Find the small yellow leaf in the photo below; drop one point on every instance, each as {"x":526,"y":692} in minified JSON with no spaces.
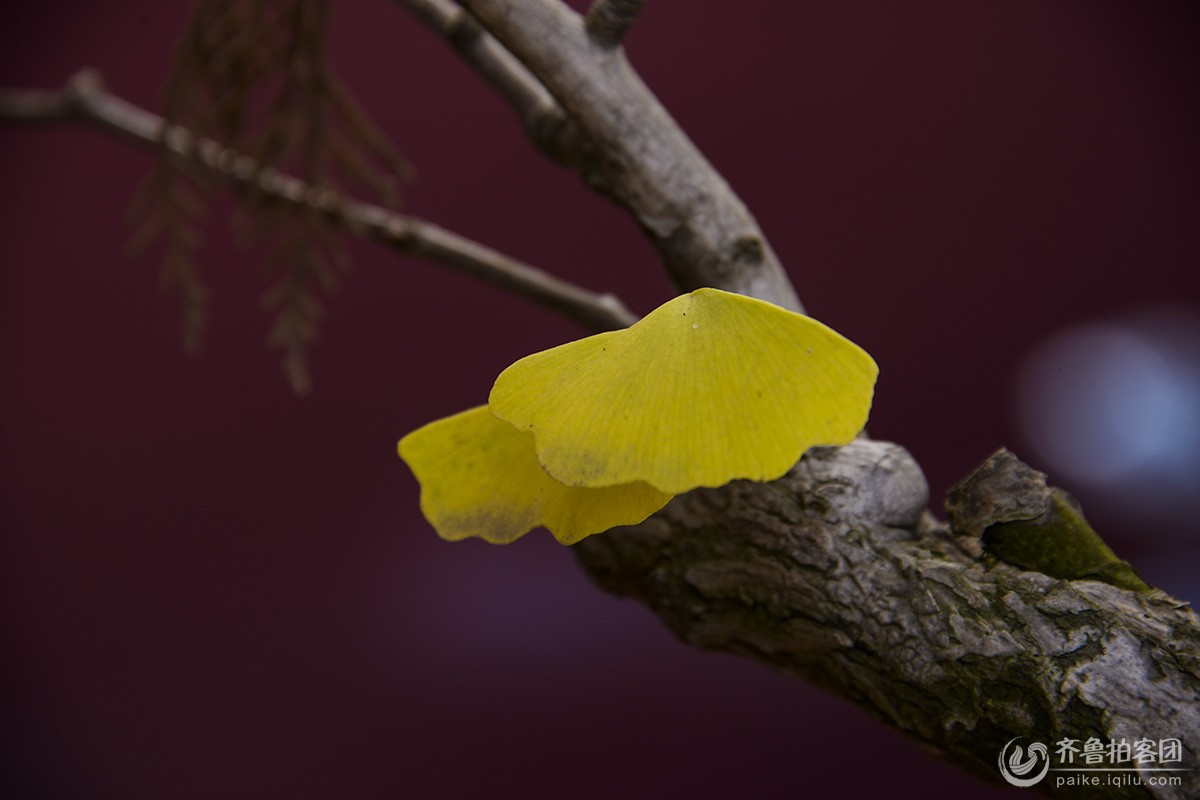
{"x":480,"y":477}
{"x":708,"y":387}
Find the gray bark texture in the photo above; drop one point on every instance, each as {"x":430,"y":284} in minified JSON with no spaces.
{"x":837,"y":574}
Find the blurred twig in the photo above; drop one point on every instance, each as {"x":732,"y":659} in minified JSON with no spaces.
{"x":545,"y":122}
{"x":85,"y":99}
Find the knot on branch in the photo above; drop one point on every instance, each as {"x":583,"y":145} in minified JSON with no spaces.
{"x":1025,"y":523}
{"x":609,"y":20}
{"x":1001,"y":489}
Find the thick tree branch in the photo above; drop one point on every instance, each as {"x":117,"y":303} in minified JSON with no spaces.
{"x":609,"y":20}
{"x":836,"y":574}
{"x":85,"y":99}
{"x":635,"y":153}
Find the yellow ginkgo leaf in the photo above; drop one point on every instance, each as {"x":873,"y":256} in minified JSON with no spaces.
{"x":708,"y":387}
{"x":480,"y":477}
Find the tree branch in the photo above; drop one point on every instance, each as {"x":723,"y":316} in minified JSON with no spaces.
{"x":543,"y":119}
{"x":633,"y":152}
{"x":837,"y":575}
{"x":85,"y":99}
{"x":609,"y":20}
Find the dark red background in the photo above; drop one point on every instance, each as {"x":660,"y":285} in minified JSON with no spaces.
{"x":212,"y":588}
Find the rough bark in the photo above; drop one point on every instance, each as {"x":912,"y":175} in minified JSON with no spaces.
{"x":837,"y":574}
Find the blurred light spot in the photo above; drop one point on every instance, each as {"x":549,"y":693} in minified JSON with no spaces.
{"x":1117,"y":405}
